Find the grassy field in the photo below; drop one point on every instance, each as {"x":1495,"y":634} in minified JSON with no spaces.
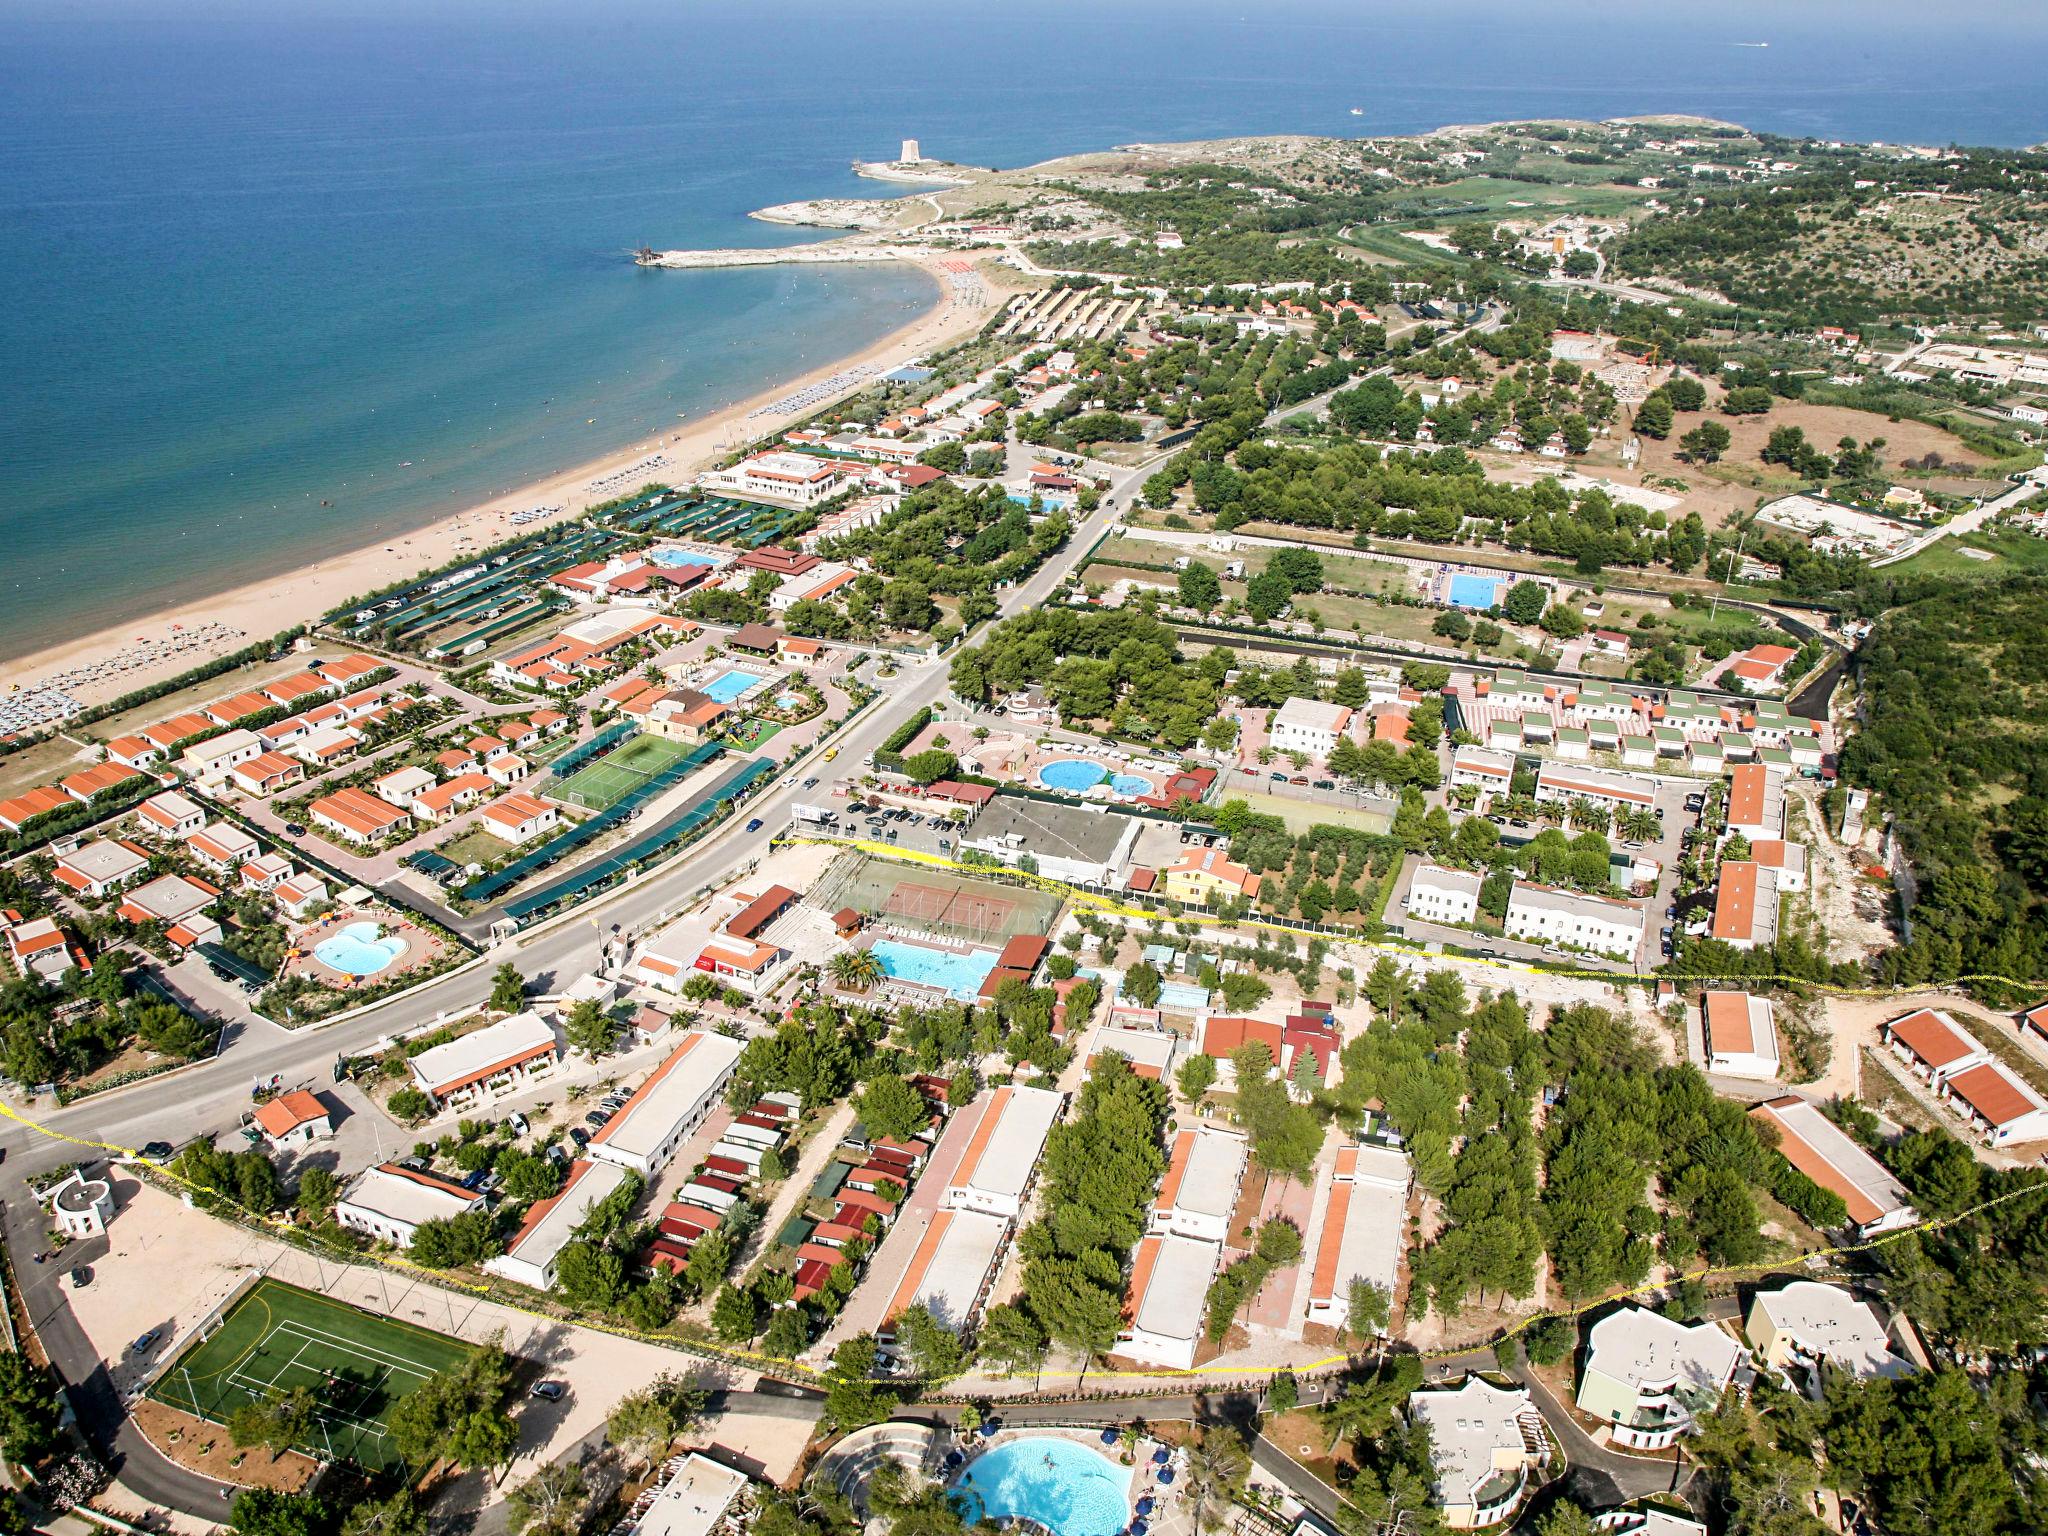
{"x":1300,"y":815}
{"x":475,"y":847}
{"x":357,"y":1366}
{"x":621,"y":771}
{"x":2011,"y":554}
{"x":1356,"y":573}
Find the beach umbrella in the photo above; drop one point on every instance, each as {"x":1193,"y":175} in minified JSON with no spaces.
{"x":1109,"y":1435}
{"x":1145,"y":1505}
{"x":1161,"y":1456}
{"x":1137,"y":1528}
{"x":1166,"y":1474}
{"x":988,"y":1428}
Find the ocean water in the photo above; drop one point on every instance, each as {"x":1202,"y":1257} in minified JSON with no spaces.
{"x":254,"y":258}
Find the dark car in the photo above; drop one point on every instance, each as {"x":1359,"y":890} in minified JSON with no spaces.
{"x":474,"y":1181}
{"x":596,"y":1118}
{"x":754,"y":825}
{"x":579,"y":1135}
{"x":157,"y":1151}
{"x":293,"y":829}
{"x":553,"y":1391}
{"x":81,"y":1277}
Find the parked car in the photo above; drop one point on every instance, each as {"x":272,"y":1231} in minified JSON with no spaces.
{"x":1299,"y":778}
{"x":553,"y":1391}
{"x":518,"y":1124}
{"x":293,"y":829}
{"x":596,"y":1118}
{"x":579,"y":1135}
{"x":142,"y":1345}
{"x":475,"y":1181}
{"x":157,"y":1151}
{"x":81,"y":1277}
{"x":810,"y":783}
{"x":1277,"y":778}
{"x":1325,"y":784}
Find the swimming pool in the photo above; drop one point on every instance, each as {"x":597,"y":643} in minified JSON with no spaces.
{"x":1129,"y":784}
{"x":675,"y":559}
{"x":728,"y":686}
{"x":1071,"y":775}
{"x":959,"y":974}
{"x":1474,"y":591}
{"x":358,"y":950}
{"x":1061,"y":1485}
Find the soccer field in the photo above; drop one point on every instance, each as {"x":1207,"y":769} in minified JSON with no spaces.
{"x":357,"y":1366}
{"x":621,"y":771}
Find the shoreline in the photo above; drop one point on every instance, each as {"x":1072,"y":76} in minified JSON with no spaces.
{"x":261,"y":608}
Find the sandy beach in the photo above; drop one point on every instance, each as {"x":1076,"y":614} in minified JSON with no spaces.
{"x":124,"y":657}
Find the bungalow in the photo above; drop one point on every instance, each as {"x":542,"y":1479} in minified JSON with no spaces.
{"x":293,"y":1120}
{"x":265,"y":872}
{"x":135,"y":752}
{"x":168,"y":900}
{"x":355,"y":814}
{"x":298,"y":896}
{"x":1488,"y":770}
{"x":1170,"y":1276}
{"x":389,"y":1204}
{"x":222,"y":845}
{"x":211,"y":759}
{"x":89,"y":784}
{"x":1998,"y":1104}
{"x":507,"y":770}
{"x":1647,"y":1375}
{"x":99,"y":868}
{"x":443,"y":800}
{"x":1740,"y":1034}
{"x":22,"y":809}
{"x":1608,"y":642}
{"x":171,"y":734}
{"x":1811,"y":1142}
{"x":328,"y":745}
{"x":1745,"y":905}
{"x":287,"y":691}
{"x":1932,"y":1044}
{"x":520,"y":817}
{"x":37,"y":947}
{"x":266,"y":773}
{"x":239,"y":706}
{"x":1364,"y":1216}
{"x":1762,"y":667}
{"x":402,"y":786}
{"x":171,"y":815}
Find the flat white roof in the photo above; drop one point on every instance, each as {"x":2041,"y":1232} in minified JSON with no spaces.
{"x":1210,"y":1175}
{"x":1001,"y":1156}
{"x":1371,"y":1185}
{"x":1827,"y":1320}
{"x":1644,"y":1348}
{"x":1176,"y":1283}
{"x":693,"y":1501}
{"x":1827,"y":1156}
{"x":103,"y":860}
{"x":694,"y":1071}
{"x":505,"y":1041}
{"x":406,"y":1198}
{"x":589,"y":1182}
{"x":1141,"y":1047}
{"x":1312,"y":714}
{"x":950,"y":1266}
{"x":1436,"y":877}
{"x":1469,"y":1429}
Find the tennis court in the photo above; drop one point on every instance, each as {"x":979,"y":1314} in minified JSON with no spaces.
{"x":277,"y":1336}
{"x":600,"y":785}
{"x":936,"y":901}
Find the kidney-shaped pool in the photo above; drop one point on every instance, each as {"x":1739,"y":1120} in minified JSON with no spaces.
{"x":1053,"y":1481}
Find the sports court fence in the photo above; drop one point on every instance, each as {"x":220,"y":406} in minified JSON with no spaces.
{"x":968,"y":907}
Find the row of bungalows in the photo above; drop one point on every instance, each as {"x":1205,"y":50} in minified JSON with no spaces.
{"x":157,"y":743}
{"x":1511,"y":712}
{"x":824,"y":1249}
{"x":959,"y":1255}
{"x":81,"y":788}
{"x":645,"y":1134}
{"x":2002,"y":1107}
{"x":1362,"y":1234}
{"x":584,"y":652}
{"x":1187,"y":1226}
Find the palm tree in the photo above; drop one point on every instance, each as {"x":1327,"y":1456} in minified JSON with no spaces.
{"x":856,"y":970}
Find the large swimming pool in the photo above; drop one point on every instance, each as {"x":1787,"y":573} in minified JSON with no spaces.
{"x":956,"y":973}
{"x":360,"y":949}
{"x":676,"y":559}
{"x":1469,"y":591}
{"x":1072,"y":775}
{"x":1061,"y":1485}
{"x":728,"y":686}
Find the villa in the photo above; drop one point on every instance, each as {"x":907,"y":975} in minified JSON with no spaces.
{"x":1204,"y":875}
{"x":390,"y":1203}
{"x":37,"y":947}
{"x":1484,"y":1440}
{"x":1802,"y":1326}
{"x":1647,"y":1375}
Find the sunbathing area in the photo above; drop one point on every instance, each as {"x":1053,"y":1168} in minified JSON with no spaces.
{"x":360,"y":946}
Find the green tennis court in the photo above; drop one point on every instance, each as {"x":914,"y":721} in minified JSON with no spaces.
{"x":358,"y":1367}
{"x":619,"y":772}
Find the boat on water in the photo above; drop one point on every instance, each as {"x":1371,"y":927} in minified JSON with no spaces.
{"x":1358,"y":111}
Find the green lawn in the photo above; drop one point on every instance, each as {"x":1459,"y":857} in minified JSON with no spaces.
{"x":620,"y":771}
{"x":358,"y":1367}
{"x":2012,"y":554}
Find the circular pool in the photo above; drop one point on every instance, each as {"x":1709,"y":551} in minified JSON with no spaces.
{"x":1055,"y":1482}
{"x":1072,"y":775}
{"x":360,"y":949}
{"x":1129,"y":785}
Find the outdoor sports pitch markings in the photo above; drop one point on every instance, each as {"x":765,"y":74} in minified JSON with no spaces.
{"x":605,"y":782}
{"x":357,"y":1366}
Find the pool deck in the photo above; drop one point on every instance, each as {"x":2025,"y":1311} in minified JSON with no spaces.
{"x":1169,"y":1516}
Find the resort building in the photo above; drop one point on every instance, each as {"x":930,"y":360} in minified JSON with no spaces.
{"x":1756,"y":802}
{"x":390,"y":1203}
{"x":1484,"y":1440}
{"x":1207,"y":876}
{"x":1801,"y":1327}
{"x":1560,"y":785}
{"x":995,"y":1171}
{"x":222,"y":846}
{"x":499,"y":1058}
{"x":1745,"y":905}
{"x":210,"y":760}
{"x":170,"y":815}
{"x":1932,"y":1045}
{"x":1308,"y":726}
{"x":1740,"y":1034}
{"x":1439,"y":895}
{"x":529,"y":1258}
{"x":663,"y":1111}
{"x":1998,"y":1104}
{"x":295,"y":1119}
{"x":691,"y":1500}
{"x":266,"y":773}
{"x":1561,"y":919}
{"x":356,"y":815}
{"x":1170,"y":1278}
{"x":1150,"y":1052}
{"x":1204,"y":1170}
{"x":1647,"y":1520}
{"x":1488,"y":770}
{"x":520,"y":817}
{"x":99,"y":868}
{"x":172,"y":900}
{"x":1364,"y":1230}
{"x":1066,"y":842}
{"x":438,"y":802}
{"x":952,"y":1269}
{"x":37,"y":947}
{"x":1647,"y":1376}
{"x":1820,"y":1149}
{"x":799,"y":479}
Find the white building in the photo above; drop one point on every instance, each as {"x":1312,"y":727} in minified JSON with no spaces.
{"x":1170,"y":1277}
{"x":1488,"y":770}
{"x":1647,"y":1375}
{"x":529,"y":1258}
{"x":1557,"y":784}
{"x":950,"y":1273}
{"x":1740,"y":1034}
{"x":672,"y":1103}
{"x":1483,"y":1440}
{"x":692,"y":1500}
{"x":995,"y":1169}
{"x":1567,"y":920}
{"x":1203,"y":1173}
{"x":390,"y":1203}
{"x":1307,"y":725}
{"x":779,"y":475}
{"x":1820,"y":1149}
{"x":1798,"y":1327}
{"x":1067,"y":842}
{"x":1365,"y":1225}
{"x":210,"y":760}
{"x":500,"y":1058}
{"x":1439,"y":895}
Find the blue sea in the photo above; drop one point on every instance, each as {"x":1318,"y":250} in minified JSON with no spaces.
{"x":255,"y":258}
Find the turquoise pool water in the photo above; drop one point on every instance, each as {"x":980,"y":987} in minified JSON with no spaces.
{"x":1072,"y":774}
{"x":1130,"y":784}
{"x":728,"y":686}
{"x":1182,"y":996}
{"x":959,"y":974}
{"x":1473,"y":591}
{"x":1062,"y":1485}
{"x":675,"y":559}
{"x":358,"y":950}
